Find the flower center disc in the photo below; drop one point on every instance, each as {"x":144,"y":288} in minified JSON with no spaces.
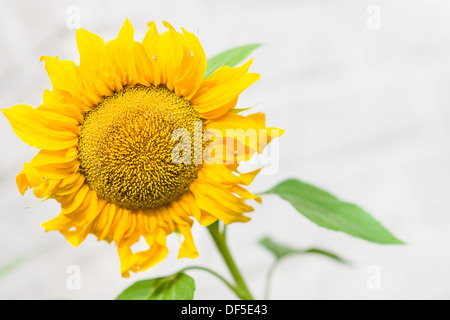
{"x":125,"y":147}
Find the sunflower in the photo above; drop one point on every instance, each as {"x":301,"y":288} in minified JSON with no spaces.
{"x":108,"y":149}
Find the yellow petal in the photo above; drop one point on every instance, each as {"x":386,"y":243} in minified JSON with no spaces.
{"x":57,"y":223}
{"x":206,"y":219}
{"x":219,"y":92}
{"x":121,"y":56}
{"x":35,"y":130}
{"x":193,"y":67}
{"x":107,"y":217}
{"x":169,"y":55}
{"x":47,"y":164}
{"x":62,"y":74}
{"x":188,"y":249}
{"x":45,"y":189}
{"x":121,"y":224}
{"x":33,"y":176}
{"x":94,"y":69}
{"x":64,"y":77}
{"x":147,"y":70}
{"x":76,"y":200}
{"x":69,"y":185}
{"x":55,"y":164}
{"x":22,"y":182}
{"x":61,"y":104}
{"x":54,"y":157}
{"x":245,"y":194}
{"x":150,"y":41}
{"x":244,"y":134}
{"x":214,"y":201}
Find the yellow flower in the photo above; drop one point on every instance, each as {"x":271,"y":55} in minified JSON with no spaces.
{"x":106,"y":134}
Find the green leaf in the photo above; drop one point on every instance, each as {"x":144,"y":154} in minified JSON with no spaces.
{"x":278,"y":250}
{"x":238,"y":110}
{"x":178,"y":286}
{"x":229,"y":58}
{"x":329,"y":212}
{"x":281,"y":251}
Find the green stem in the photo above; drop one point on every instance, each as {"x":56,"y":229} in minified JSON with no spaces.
{"x":219,"y":239}
{"x":269,"y":278}
{"x":225,"y":281}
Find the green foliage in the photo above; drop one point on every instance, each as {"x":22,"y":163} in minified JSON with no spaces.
{"x":281,"y":251}
{"x":329,"y":212}
{"x":229,"y":58}
{"x":178,"y":286}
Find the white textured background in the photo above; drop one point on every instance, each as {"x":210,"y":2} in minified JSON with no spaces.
{"x":366,"y":114}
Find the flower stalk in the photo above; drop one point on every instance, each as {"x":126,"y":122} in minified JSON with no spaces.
{"x":220,"y":240}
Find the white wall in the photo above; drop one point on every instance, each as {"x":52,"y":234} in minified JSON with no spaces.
{"x":366,"y":113}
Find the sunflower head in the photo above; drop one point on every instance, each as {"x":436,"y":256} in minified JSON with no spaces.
{"x":125,"y":147}
{"x":112,"y":133}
